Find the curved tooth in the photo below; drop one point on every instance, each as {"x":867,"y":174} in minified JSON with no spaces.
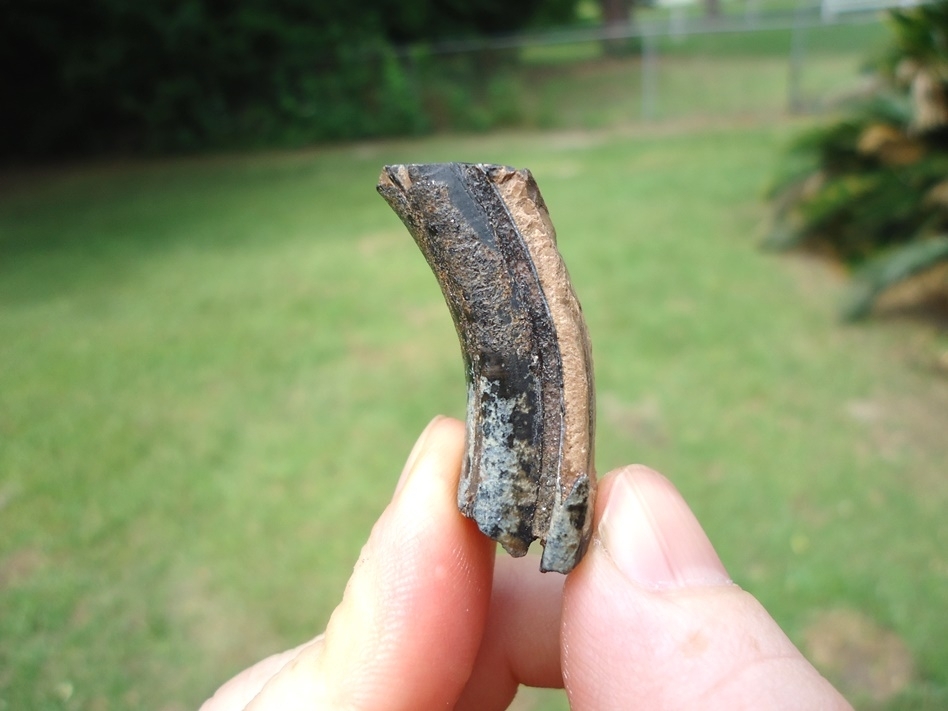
{"x":487,"y":236}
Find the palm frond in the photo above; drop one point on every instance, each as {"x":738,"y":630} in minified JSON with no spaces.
{"x":783,"y":236}
{"x":890,"y":268}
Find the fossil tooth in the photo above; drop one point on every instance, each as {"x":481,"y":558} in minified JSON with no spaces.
{"x":528,"y":469}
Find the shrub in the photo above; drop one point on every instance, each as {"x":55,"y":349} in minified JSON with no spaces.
{"x":169,"y":75}
{"x":871,"y":188}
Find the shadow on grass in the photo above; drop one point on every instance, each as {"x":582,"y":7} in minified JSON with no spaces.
{"x":89,"y":228}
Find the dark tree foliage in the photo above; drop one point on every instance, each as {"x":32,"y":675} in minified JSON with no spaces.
{"x":448,"y":19}
{"x":104,"y":75}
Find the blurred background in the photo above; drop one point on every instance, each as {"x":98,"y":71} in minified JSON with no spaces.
{"x":217,"y":344}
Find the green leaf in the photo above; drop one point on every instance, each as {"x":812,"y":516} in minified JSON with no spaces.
{"x":782,"y":237}
{"x":890,"y":268}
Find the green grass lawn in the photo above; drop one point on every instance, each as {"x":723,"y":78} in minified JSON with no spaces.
{"x":211,"y":371}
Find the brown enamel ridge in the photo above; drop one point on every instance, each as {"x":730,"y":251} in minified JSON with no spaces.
{"x":528,"y":470}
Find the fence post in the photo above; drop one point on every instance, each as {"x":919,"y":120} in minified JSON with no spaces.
{"x":795,"y":102}
{"x":649,"y":77}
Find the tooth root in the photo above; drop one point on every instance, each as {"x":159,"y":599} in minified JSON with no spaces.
{"x":528,"y":469}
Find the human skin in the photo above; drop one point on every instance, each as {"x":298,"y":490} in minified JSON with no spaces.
{"x":430,"y":620}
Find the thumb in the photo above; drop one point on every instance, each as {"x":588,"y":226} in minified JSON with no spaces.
{"x":652,"y":621}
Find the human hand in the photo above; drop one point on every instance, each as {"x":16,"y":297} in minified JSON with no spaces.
{"x":648,"y":620}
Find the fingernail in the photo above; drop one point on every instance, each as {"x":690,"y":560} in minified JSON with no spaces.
{"x":415,"y":453}
{"x":653,"y":537}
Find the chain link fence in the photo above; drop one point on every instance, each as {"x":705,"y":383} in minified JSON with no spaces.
{"x":673,"y":63}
